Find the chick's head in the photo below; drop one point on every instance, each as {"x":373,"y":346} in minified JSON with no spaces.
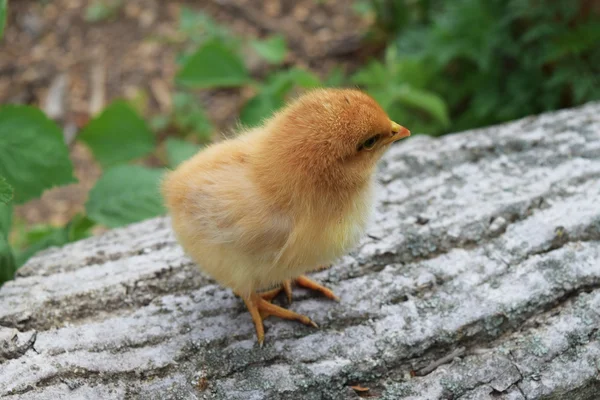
{"x":332,"y":137}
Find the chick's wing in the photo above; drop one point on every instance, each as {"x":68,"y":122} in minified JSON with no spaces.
{"x":215,"y":200}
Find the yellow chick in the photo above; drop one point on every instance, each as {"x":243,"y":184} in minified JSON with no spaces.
{"x":283,"y":199}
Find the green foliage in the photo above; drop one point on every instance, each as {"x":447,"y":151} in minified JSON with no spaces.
{"x":6,"y":212}
{"x":159,"y":122}
{"x":41,"y":237}
{"x":8,"y":266}
{"x":33,"y":158}
{"x":213,"y":65}
{"x":273,"y":49}
{"x":363,"y":7}
{"x":258,"y":107}
{"x":7,"y":260}
{"x":180,"y":150}
{"x":199,"y":28}
{"x":486,"y":62}
{"x":392,"y":16}
{"x":272,"y":94}
{"x":79,"y":228}
{"x":3,"y":9}
{"x":38,"y":238}
{"x":33,"y":155}
{"x":125,"y":194}
{"x":190,"y":117}
{"x":118,"y":135}
{"x":400,"y":87}
{"x":335,"y":78}
{"x":218,"y":63}
{"x":6,"y":191}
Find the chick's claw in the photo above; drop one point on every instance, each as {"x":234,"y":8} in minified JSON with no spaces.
{"x":260,"y":309}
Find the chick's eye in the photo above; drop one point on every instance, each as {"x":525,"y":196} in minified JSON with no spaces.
{"x":369,"y":143}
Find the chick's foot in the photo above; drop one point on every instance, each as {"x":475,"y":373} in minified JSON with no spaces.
{"x":286,"y":286}
{"x":303,"y":281}
{"x":308,"y":283}
{"x":270,"y":294}
{"x":260,"y":309}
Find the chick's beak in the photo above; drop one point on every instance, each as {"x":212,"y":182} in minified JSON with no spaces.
{"x":398,"y":132}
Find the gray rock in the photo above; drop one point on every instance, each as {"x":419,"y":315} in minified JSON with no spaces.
{"x":479,"y":279}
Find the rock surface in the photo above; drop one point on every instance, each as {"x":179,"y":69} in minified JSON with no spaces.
{"x":479,"y":279}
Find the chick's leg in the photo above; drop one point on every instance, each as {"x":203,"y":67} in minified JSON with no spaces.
{"x":260,"y":309}
{"x":287,"y":288}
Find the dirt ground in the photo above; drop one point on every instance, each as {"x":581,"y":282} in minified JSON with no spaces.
{"x":52,"y":57}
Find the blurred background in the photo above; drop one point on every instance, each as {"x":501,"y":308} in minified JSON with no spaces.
{"x":98,"y":97}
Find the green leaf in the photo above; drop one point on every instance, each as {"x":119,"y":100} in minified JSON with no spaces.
{"x":335,"y":78}
{"x":199,"y":28}
{"x":363,"y":7}
{"x":33,"y":154}
{"x":190,"y":21}
{"x":273,"y":49}
{"x":6,"y":191}
{"x":280,"y":83}
{"x":384,"y":97}
{"x":189,"y":116}
{"x":41,"y":237}
{"x":180,"y":150}
{"x":125,"y":194}
{"x":212,"y":66}
{"x":427,"y":101}
{"x":537,"y":32}
{"x":118,"y":135}
{"x":302,"y":78}
{"x":575,"y":41}
{"x":372,"y":75}
{"x":273,"y":93}
{"x":415,"y":72}
{"x":159,"y":122}
{"x":259,"y":107}
{"x":6,"y":213}
{"x":3,"y":9}
{"x":79,"y":228}
{"x":41,"y":232}
{"x":7,"y":261}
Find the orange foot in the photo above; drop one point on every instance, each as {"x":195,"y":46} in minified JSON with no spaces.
{"x":303,"y":281}
{"x":260,"y":307}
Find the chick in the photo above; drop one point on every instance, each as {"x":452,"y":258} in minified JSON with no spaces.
{"x":263,"y":209}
